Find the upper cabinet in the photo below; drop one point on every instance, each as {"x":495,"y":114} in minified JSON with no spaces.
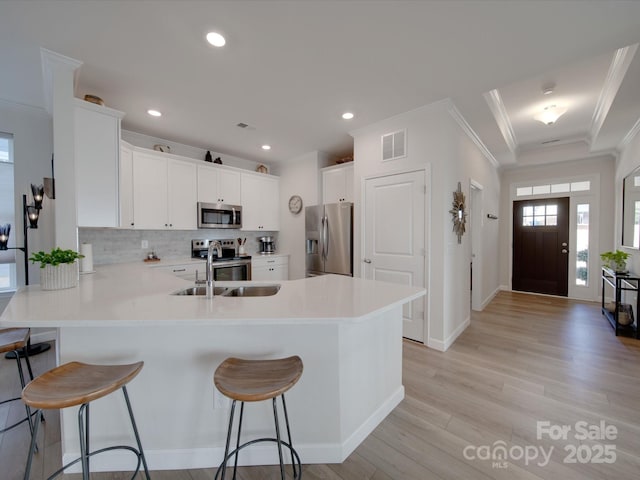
{"x":164,"y":193}
{"x":126,"y":186}
{"x":97,"y":150}
{"x":260,"y":202}
{"x":337,"y":184}
{"x":218,"y":185}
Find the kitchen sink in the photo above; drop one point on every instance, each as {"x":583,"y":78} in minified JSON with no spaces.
{"x":246,"y":291}
{"x":252,"y":291}
{"x":200,"y":290}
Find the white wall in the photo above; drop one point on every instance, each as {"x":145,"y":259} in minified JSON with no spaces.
{"x":628,"y":160}
{"x":600,"y":166}
{"x":33,"y":145}
{"x":298,"y":176}
{"x":437,"y":141}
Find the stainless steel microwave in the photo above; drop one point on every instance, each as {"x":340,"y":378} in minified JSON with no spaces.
{"x":219,"y":215}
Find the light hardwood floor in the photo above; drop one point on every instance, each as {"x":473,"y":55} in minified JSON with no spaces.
{"x":525,"y":359}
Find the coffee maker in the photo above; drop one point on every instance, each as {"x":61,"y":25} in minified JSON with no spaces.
{"x":267,"y":245}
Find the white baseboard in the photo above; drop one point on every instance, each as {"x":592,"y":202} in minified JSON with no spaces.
{"x":443,"y":346}
{"x":487,"y":301}
{"x":259,"y":454}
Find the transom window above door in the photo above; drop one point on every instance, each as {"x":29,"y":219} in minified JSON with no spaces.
{"x":539,"y":215}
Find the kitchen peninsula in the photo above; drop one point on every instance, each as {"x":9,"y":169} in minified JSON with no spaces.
{"x":348,"y":332}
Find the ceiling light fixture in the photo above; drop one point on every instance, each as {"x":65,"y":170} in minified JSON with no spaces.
{"x":215,"y":39}
{"x":266,"y":147}
{"x":550,"y":114}
{"x":347,"y":115}
{"x":154,"y":113}
{"x":547,"y":89}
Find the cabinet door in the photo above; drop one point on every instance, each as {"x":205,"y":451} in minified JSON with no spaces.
{"x":280,"y":272}
{"x":260,"y":198}
{"x":348,"y":184}
{"x":332,"y":185}
{"x":97,"y":137}
{"x":182,"y":195}
{"x":229,"y":187}
{"x":126,"y":187}
{"x":260,"y":273}
{"x":208,"y":184}
{"x":149,"y":191}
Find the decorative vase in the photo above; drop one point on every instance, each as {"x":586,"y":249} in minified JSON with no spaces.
{"x":58,"y":277}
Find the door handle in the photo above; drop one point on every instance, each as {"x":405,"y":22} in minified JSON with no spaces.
{"x":325,"y":236}
{"x":564,"y":250}
{"x":366,"y":260}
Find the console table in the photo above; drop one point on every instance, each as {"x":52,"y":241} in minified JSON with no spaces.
{"x":621,"y":282}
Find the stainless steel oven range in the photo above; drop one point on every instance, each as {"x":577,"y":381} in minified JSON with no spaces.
{"x":229,"y":266}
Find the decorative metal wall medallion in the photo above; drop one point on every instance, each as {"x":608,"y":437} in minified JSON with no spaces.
{"x":458,"y":213}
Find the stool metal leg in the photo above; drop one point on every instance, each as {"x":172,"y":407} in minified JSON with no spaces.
{"x":235,"y":464}
{"x":135,"y":432}
{"x":275,"y":418}
{"x":226,"y":448}
{"x":32,"y":448}
{"x":286,"y":420}
{"x":83,"y":435}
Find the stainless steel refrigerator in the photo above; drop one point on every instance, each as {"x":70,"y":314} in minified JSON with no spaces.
{"x":329,"y":239}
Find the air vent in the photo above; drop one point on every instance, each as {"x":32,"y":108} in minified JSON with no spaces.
{"x":550,"y":141}
{"x":242,"y":125}
{"x":394,"y":145}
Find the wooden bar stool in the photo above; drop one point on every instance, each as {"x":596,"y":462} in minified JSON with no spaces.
{"x":253,"y":381}
{"x":78,"y":383}
{"x":15,"y":340}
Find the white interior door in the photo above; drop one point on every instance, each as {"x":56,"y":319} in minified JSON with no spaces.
{"x":394,"y":239}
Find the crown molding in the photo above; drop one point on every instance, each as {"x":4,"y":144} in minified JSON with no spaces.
{"x":51,"y":61}
{"x":635,"y":130}
{"x":457,"y":116}
{"x":494,"y":100}
{"x":617,"y":71}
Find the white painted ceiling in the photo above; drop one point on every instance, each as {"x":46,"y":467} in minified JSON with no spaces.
{"x":290,"y":68}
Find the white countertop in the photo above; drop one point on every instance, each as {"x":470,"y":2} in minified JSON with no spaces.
{"x":135,"y":295}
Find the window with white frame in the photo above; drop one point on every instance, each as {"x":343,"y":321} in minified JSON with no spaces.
{"x":7,"y":212}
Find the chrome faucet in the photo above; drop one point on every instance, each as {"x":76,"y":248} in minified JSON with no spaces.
{"x":210,"y":284}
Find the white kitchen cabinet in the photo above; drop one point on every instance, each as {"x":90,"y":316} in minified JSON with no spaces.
{"x":97,"y":150}
{"x":260,"y":195}
{"x":218,"y":185}
{"x":337,"y":184}
{"x":270,"y":267}
{"x":126,"y":186}
{"x":189,"y":271}
{"x":164,"y":193}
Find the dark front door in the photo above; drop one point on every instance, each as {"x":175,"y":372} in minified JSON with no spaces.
{"x":540,"y":246}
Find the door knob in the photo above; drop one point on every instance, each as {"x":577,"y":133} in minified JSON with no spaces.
{"x":564,"y":250}
{"x":366,"y":260}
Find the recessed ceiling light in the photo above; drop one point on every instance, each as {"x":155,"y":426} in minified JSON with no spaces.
{"x":347,"y":115}
{"x":266,"y":147}
{"x":154,"y":113}
{"x":215,"y":39}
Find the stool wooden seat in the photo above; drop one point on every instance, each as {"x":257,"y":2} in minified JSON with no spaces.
{"x":252,"y":381}
{"x":77,"y":383}
{"x":256,"y":380}
{"x":15,"y":340}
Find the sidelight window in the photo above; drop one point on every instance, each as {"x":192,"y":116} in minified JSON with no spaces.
{"x":7,"y":214}
{"x":582,"y":244}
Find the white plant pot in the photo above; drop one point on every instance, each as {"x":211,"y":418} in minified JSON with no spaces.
{"x":59,"y":277}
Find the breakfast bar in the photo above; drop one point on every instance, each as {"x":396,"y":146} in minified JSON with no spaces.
{"x":348,"y":332}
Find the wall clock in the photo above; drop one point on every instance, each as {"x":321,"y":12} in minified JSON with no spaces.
{"x":458,"y":214}
{"x":295,"y":204}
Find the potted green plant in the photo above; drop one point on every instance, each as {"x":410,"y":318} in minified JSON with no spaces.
{"x":59,"y":268}
{"x":615,"y":260}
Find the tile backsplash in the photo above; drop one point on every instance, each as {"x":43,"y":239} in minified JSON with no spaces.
{"x":112,"y":245}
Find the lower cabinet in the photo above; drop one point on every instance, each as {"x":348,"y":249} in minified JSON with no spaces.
{"x":270,"y":267}
{"x":191,"y":271}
